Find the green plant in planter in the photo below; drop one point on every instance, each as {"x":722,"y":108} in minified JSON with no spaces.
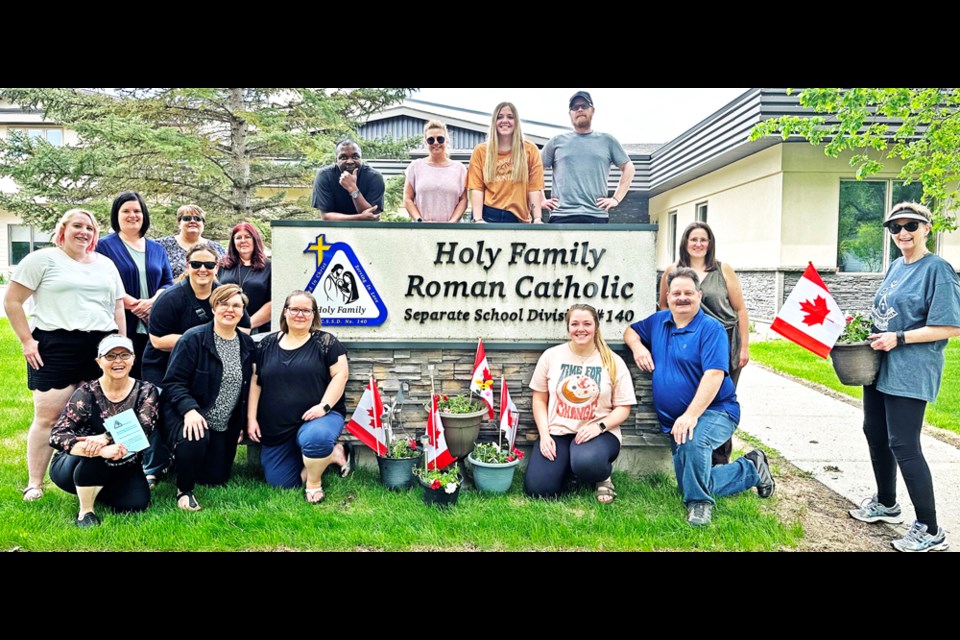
{"x":491,"y":453}
{"x":402,"y":449}
{"x":857,"y":329}
{"x":460,"y":404}
{"x":447,"y":479}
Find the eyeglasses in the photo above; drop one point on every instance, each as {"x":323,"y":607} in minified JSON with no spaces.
{"x":191,"y":219}
{"x":580,"y":106}
{"x":438,"y":140}
{"x":112,"y":357}
{"x":196,"y":264}
{"x":911,"y":226}
{"x":299,"y":312}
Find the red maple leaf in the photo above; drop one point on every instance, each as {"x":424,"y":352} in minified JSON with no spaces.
{"x":816,"y":311}
{"x":486,"y":375}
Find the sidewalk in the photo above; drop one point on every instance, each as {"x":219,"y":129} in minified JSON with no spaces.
{"x":824,"y":436}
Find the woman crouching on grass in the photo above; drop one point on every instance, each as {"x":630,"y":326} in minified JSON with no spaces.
{"x":205,"y":395}
{"x":88,"y":463}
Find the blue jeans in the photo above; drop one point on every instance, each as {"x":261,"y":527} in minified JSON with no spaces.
{"x":491,"y":214}
{"x":316,"y":439}
{"x":697,"y":479}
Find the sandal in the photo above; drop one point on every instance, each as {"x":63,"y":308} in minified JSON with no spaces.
{"x":351,"y":455}
{"x":310,"y":495}
{"x":152,"y":482}
{"x":32,"y":493}
{"x":605,"y":492}
{"x":191,"y":504}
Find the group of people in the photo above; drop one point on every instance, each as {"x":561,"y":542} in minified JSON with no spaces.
{"x":504,"y":178}
{"x":120,"y":319}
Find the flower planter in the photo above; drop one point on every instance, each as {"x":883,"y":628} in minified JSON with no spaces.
{"x":439,"y":497}
{"x":493,"y":478}
{"x":397,"y":474}
{"x":856,"y":364}
{"x":461,"y":431}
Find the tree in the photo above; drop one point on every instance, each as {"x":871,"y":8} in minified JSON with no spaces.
{"x":236,"y":152}
{"x":921,"y":127}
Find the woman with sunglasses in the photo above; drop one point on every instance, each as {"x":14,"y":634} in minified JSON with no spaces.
{"x":205,"y":395}
{"x":722,"y":300}
{"x":506,"y":174}
{"x":297,"y":406}
{"x":88,"y":463}
{"x":915,"y":311}
{"x":435,"y":189}
{"x":191,"y":219}
{"x":247,"y":265}
{"x":142,"y":263}
{"x":180,"y":308}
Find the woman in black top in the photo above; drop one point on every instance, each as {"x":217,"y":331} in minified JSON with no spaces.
{"x":182,"y":307}
{"x":296,"y":407}
{"x":205,"y":393}
{"x":247,"y":265}
{"x":87,"y":462}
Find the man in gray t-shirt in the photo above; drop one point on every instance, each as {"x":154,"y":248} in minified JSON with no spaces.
{"x":581,"y":163}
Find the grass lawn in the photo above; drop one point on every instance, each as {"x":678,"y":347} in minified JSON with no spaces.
{"x":785,"y":356}
{"x":359,"y":514}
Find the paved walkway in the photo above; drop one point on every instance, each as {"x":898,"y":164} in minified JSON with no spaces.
{"x":824,"y":436}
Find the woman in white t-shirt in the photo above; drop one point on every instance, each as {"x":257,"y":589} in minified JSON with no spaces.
{"x":582,"y":393}
{"x":436,"y":186}
{"x":78,"y":299}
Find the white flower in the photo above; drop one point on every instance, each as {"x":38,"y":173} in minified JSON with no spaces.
{"x":451,"y":487}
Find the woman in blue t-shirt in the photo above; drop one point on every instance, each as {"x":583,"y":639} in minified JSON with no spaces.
{"x":297,"y":408}
{"x":915,"y":311}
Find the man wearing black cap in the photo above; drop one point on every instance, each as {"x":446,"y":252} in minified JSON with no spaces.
{"x":581,"y":163}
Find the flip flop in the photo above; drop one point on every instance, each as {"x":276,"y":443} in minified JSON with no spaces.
{"x":351,"y":456}
{"x":192,"y":504}
{"x":310,"y":495}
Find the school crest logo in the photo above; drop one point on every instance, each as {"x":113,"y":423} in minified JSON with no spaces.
{"x":345,"y":294}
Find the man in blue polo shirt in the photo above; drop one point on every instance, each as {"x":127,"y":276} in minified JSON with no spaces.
{"x":689,"y":355}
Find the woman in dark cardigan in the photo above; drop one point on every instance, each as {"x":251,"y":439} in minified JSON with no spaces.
{"x":142,"y":263}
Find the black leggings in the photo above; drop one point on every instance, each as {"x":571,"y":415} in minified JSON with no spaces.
{"x":892,"y":425}
{"x":207,"y":461}
{"x":125,"y":489}
{"x":591,"y":461}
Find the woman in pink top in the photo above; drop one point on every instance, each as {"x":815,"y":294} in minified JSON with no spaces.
{"x":435,"y":190}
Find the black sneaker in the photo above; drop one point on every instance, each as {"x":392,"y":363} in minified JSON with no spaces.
{"x":767,"y":485}
{"x":699,"y":514}
{"x":89,"y":520}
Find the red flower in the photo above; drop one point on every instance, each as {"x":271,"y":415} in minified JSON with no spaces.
{"x":435,"y":484}
{"x":446,"y":398}
{"x":510,"y":458}
{"x":518,"y":453}
{"x":413,"y":445}
{"x":849,"y":319}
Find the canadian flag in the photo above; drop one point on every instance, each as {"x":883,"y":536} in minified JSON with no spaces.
{"x":482,"y":381}
{"x":438,"y":456}
{"x":810,"y":316}
{"x":508,"y":414}
{"x":366,"y":423}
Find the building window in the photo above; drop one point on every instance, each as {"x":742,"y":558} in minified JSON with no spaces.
{"x":25,"y":239}
{"x":53,"y":135}
{"x":863,"y":245}
{"x":672,"y":235}
{"x":702,"y":212}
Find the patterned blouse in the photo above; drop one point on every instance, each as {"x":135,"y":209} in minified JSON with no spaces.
{"x":178,"y":256}
{"x":88,"y":407}
{"x":218,"y":417}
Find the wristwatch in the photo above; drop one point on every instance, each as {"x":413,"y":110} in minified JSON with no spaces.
{"x":602,"y":426}
{"x":326,"y":409}
{"x":355,"y":194}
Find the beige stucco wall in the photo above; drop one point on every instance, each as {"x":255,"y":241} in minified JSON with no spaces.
{"x":743,"y":209}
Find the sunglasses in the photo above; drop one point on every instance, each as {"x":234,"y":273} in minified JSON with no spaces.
{"x":191,"y":219}
{"x":196,"y":264}
{"x":438,"y":140}
{"x":911,"y":226}
{"x":112,"y":357}
{"x":581,"y":106}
